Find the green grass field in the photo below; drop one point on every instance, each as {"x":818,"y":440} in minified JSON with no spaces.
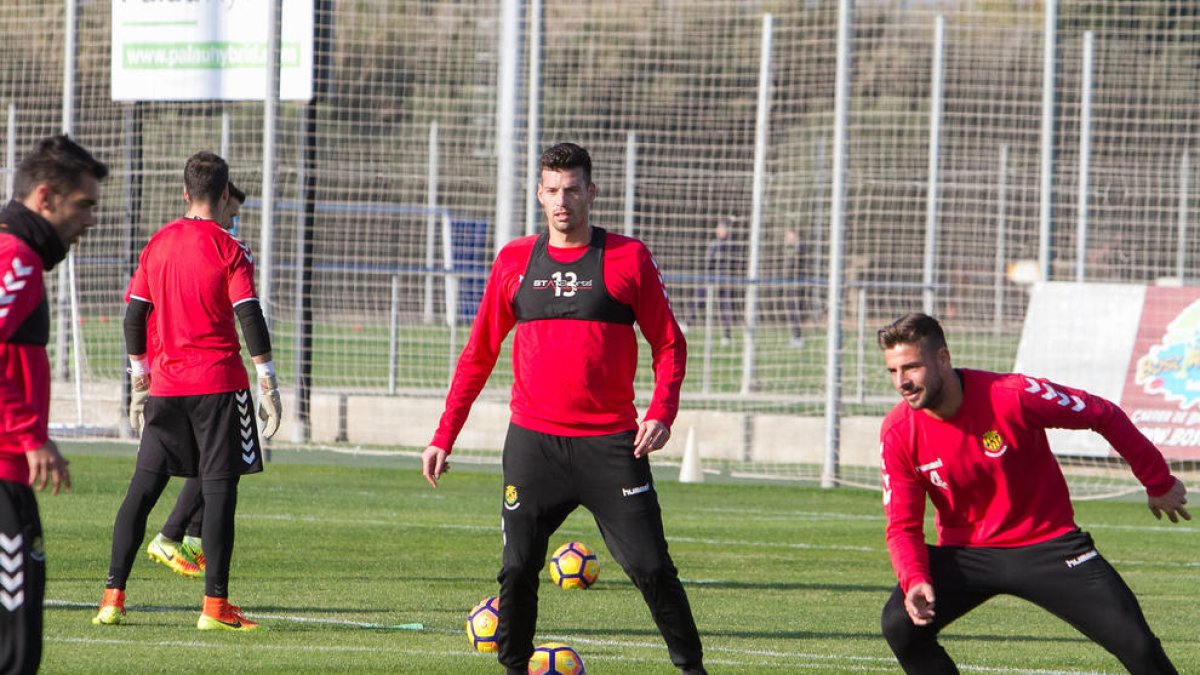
{"x":332,"y":547}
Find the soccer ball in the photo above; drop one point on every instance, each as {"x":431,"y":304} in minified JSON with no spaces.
{"x":481,"y":625}
{"x":574,"y":566}
{"x":555,"y":658}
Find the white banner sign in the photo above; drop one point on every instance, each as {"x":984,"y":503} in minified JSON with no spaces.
{"x":207,"y":50}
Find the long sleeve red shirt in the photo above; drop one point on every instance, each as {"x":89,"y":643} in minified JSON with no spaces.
{"x":989,"y":470}
{"x":24,"y":367}
{"x":572,"y":377}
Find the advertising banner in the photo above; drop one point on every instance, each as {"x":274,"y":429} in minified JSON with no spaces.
{"x":207,"y":50}
{"x":1162,"y":384}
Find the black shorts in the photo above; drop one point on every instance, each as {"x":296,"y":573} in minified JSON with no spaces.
{"x":210,"y":436}
{"x":22,"y":579}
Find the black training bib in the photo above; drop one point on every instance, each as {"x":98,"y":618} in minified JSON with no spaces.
{"x":574,"y":290}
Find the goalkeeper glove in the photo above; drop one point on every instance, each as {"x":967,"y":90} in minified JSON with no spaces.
{"x":269,"y":409}
{"x":139,"y":391}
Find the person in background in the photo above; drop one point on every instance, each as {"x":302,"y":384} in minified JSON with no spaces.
{"x":179,"y":545}
{"x":55,"y":191}
{"x":197,"y":278}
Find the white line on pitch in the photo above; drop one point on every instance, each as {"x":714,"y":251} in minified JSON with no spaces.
{"x":808,"y":661}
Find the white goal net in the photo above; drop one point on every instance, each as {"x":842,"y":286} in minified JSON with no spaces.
{"x":712,"y":129}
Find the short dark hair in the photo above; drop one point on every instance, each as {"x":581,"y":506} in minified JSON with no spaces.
{"x":205,"y":177}
{"x":911,"y":329}
{"x":59,"y":162}
{"x":235,"y":193}
{"x":565,"y":156}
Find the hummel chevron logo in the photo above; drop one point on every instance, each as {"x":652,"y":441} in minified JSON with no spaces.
{"x":1075,"y":403}
{"x":249,"y":457}
{"x":21,"y":270}
{"x":12,"y":602}
{"x":11,"y":545}
{"x":247,"y":431}
{"x":12,"y":582}
{"x":14,"y":280}
{"x":11,"y":282}
{"x":10,"y":563}
{"x":242,"y":396}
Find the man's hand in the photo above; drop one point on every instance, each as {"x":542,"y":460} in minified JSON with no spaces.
{"x":46,"y":465}
{"x":434,"y":464}
{"x":651,"y":436}
{"x":269,"y":409}
{"x":139,"y":391}
{"x":1171,"y":503}
{"x":919,"y":603}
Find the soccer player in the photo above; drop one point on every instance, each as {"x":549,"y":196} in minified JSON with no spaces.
{"x":179,"y":545}
{"x":574,"y":293}
{"x":196,"y":277}
{"x":55,"y":189}
{"x":975,"y":442}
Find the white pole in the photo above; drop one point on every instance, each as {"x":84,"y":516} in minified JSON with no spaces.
{"x":837,"y":223}
{"x":69,"y":41}
{"x":68,"y":285}
{"x":394,"y":333}
{"x":630,"y":180}
{"x":533,"y":131}
{"x":1046,"y":205}
{"x":225,"y":134}
{"x":10,"y":151}
{"x":937,"y":83}
{"x":1181,"y":253}
{"x":506,"y":118}
{"x":861,"y":390}
{"x":451,"y":293}
{"x":431,"y":203}
{"x":270,"y":129}
{"x":1085,"y":157}
{"x":758,"y":195}
{"x":1001,"y":253}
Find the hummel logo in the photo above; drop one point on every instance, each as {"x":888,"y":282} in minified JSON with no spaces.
{"x":21,"y":270}
{"x":1074,"y":402}
{"x":12,"y":602}
{"x":1079,"y":560}
{"x":629,"y":492}
{"x":11,"y":545}
{"x":13,"y":282}
{"x":13,"y":582}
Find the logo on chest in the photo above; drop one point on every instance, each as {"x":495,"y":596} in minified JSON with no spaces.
{"x":993,"y":444}
{"x":564,"y":284}
{"x":931,"y":470}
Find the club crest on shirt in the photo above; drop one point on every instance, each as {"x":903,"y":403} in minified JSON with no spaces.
{"x":993,"y":444}
{"x":511,"y":498}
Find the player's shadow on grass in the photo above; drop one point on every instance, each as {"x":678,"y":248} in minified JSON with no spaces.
{"x":775,"y":586}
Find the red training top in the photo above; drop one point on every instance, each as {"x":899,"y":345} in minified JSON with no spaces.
{"x":989,"y":470}
{"x":194,"y":273}
{"x":572,"y":377}
{"x":24,"y":366}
